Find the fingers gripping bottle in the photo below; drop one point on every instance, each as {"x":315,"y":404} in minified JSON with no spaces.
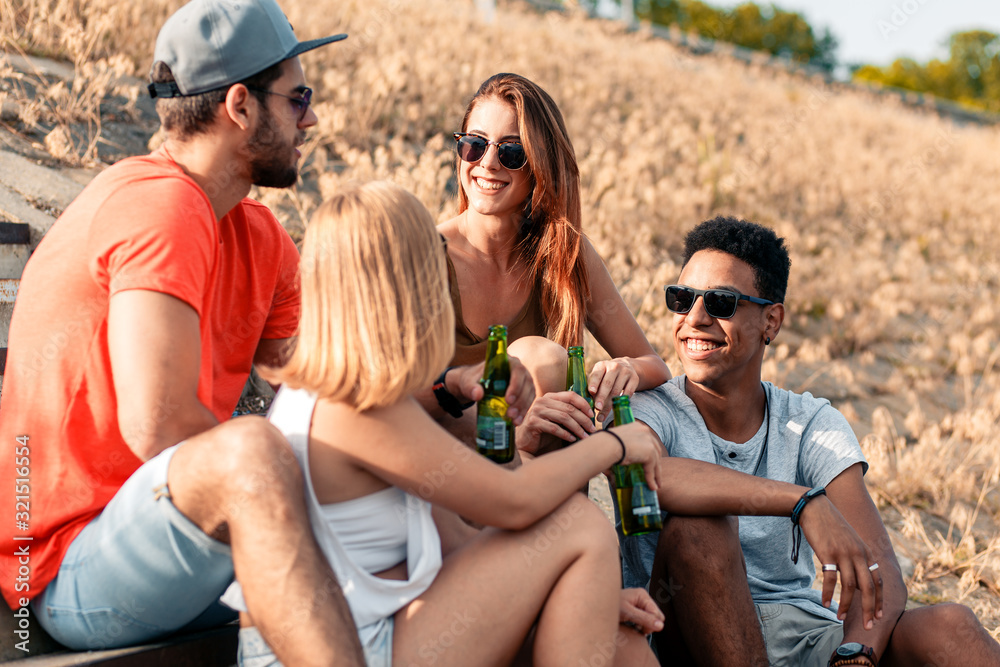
{"x":494,"y":430}
{"x":638,"y":506}
{"x":576,"y":375}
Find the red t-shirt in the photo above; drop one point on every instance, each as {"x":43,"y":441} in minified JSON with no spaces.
{"x":141,"y":224}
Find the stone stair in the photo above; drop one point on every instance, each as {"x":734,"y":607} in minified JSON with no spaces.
{"x":31,"y":197}
{"x":15,"y":246}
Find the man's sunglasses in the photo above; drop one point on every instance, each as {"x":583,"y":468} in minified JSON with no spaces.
{"x":472,"y":148}
{"x":719,"y":303}
{"x":300,"y":103}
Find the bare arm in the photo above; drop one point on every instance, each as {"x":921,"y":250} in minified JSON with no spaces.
{"x":272,"y":352}
{"x":634,"y":366}
{"x":849,"y":493}
{"x":155,"y":345}
{"x":462,"y":382}
{"x":697,"y":488}
{"x":406,"y":448}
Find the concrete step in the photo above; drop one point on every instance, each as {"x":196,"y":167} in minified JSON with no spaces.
{"x":15,"y":240}
{"x":8,"y":292}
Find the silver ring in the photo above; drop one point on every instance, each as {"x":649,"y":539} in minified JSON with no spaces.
{"x":873,"y":567}
{"x":829,"y":567}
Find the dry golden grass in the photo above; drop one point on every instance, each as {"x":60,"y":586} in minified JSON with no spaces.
{"x":890,"y":215}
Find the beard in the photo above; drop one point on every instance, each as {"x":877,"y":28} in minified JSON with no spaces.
{"x":272,"y":159}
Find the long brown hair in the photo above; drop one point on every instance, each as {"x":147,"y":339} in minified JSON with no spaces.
{"x":550,"y":237}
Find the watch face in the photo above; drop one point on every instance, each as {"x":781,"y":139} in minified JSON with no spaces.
{"x":849,"y":649}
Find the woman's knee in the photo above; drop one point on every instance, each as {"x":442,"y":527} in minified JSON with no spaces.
{"x":544,"y":359}
{"x":584,"y":521}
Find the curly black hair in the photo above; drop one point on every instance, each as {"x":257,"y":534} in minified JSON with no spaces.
{"x":754,"y":244}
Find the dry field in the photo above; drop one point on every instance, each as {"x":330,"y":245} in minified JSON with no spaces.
{"x":890,"y":214}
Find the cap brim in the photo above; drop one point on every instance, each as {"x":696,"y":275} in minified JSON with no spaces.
{"x":314,"y":43}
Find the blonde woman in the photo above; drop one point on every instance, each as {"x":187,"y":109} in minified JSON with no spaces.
{"x":376,"y":326}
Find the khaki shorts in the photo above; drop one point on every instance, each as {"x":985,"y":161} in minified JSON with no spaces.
{"x":796,"y":638}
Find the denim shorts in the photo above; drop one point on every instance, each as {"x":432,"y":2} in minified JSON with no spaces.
{"x":254,"y":651}
{"x":139,"y":570}
{"x":796,"y":638}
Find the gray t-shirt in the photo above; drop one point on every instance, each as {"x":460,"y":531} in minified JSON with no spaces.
{"x":808,"y":443}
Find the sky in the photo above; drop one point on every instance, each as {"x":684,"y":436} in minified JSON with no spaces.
{"x":879,"y":31}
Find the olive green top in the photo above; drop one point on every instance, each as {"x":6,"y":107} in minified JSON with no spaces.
{"x":470,"y":348}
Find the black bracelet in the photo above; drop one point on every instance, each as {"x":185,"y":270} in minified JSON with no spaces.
{"x":446,"y":399}
{"x":797,"y":515}
{"x":620,"y":442}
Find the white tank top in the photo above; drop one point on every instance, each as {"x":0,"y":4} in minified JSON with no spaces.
{"x":363,"y":535}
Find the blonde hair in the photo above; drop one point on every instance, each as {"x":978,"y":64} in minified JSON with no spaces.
{"x":377,"y":322}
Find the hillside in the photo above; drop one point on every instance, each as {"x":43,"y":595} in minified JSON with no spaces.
{"x":890,"y":214}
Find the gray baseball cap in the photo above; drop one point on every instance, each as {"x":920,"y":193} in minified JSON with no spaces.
{"x":209,"y":44}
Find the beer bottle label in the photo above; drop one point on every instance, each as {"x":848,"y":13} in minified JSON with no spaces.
{"x":491,"y":433}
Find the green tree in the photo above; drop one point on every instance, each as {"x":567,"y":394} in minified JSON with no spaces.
{"x":971,"y":75}
{"x":763,"y":28}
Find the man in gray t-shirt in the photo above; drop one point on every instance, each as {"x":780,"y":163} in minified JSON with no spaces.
{"x":807,"y":443}
{"x":738,"y":592}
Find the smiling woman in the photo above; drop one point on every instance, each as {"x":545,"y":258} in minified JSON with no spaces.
{"x":517,"y":256}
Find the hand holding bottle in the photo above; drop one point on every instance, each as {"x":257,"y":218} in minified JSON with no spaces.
{"x":611,"y":378}
{"x":561,"y":414}
{"x":642,"y":447}
{"x":464,"y":383}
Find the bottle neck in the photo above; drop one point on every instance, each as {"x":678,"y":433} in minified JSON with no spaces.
{"x":495,"y":347}
{"x":576,"y":376}
{"x":623,"y":414}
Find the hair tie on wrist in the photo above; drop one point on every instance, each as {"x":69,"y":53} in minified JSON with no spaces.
{"x":620,"y":442}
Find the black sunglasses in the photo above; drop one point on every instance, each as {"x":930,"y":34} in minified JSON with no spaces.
{"x":300,"y":103}
{"x":472,"y":148}
{"x":719,"y":303}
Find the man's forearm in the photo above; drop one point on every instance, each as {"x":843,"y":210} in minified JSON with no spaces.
{"x":893,"y":605}
{"x":696,"y":488}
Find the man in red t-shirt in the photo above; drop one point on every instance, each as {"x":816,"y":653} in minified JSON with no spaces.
{"x":139,"y":317}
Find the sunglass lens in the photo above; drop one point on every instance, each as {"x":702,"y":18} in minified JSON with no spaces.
{"x":679,"y":300}
{"x":720,"y":304}
{"x":512,"y":156}
{"x":471,"y":148}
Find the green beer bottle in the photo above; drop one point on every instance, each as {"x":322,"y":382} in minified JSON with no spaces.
{"x":576,"y":375}
{"x":638,"y":506}
{"x":494,"y":430}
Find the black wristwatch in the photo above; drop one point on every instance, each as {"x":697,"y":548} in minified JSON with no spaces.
{"x":849,"y":654}
{"x":446,"y":399}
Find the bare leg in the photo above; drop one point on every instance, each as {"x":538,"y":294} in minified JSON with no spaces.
{"x":545,"y":359}
{"x":240,"y":483}
{"x":699,"y":581}
{"x":943,"y":635}
{"x":633,"y":649}
{"x":488,"y":594}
